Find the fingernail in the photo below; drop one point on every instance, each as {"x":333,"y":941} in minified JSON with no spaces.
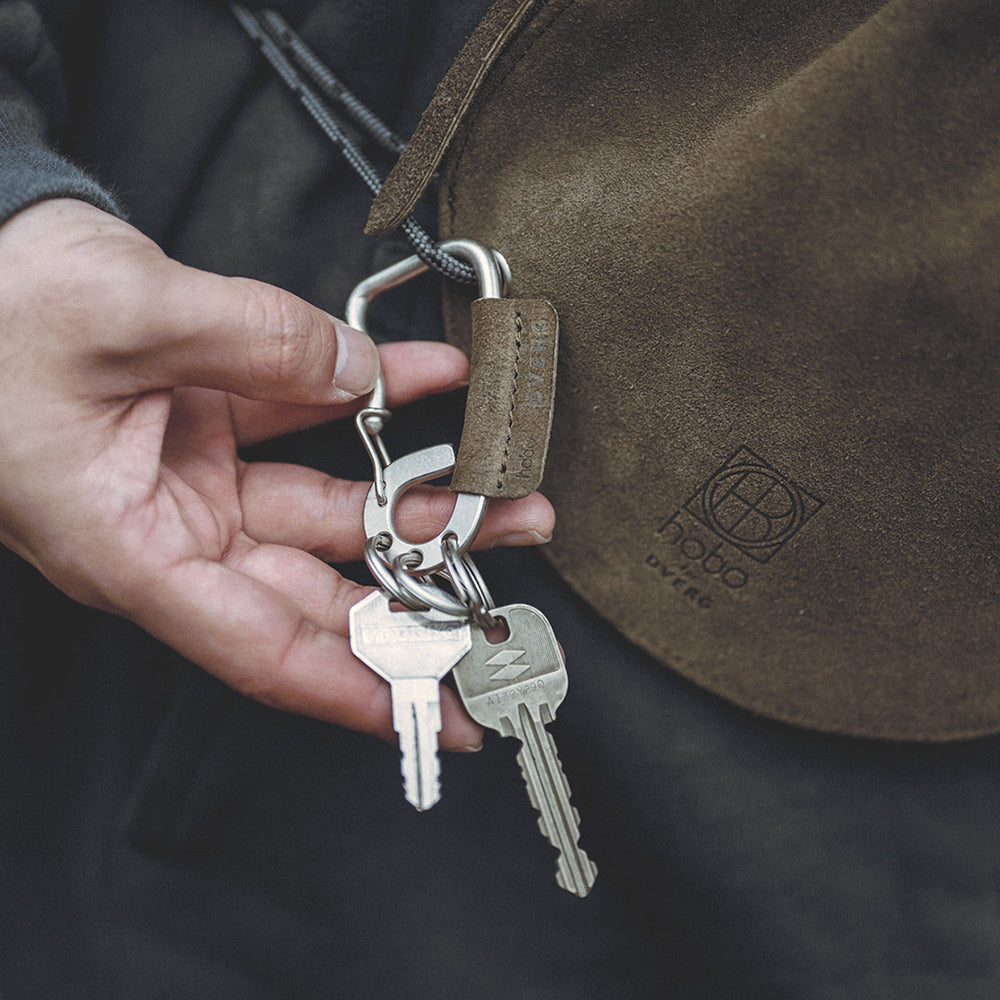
{"x":469,"y":748}
{"x":357,"y":362}
{"x":524,"y":538}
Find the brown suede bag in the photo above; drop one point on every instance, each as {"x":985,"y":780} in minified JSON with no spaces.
{"x":771,"y":231}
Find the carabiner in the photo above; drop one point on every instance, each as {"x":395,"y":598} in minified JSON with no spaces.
{"x":491,"y":269}
{"x":392,"y":478}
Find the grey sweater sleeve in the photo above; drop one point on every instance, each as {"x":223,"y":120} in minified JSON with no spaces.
{"x":31,"y":106}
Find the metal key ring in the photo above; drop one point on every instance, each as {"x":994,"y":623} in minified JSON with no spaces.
{"x":386,"y":579}
{"x":415,"y":588}
{"x":468,"y":583}
{"x":399,"y":584}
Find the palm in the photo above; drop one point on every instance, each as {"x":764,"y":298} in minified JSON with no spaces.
{"x":195,"y":504}
{"x":204,"y":545}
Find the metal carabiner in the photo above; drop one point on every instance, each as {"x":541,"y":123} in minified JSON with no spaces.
{"x":392,"y":478}
{"x":490,"y":266}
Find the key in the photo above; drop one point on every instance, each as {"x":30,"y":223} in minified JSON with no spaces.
{"x":412,"y":650}
{"x":514,"y":687}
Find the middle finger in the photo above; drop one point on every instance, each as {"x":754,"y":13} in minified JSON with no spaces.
{"x":306,"y":509}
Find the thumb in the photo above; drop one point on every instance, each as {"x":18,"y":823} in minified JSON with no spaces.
{"x":253,"y":339}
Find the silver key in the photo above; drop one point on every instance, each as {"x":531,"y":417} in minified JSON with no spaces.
{"x":412,"y":650}
{"x":515,"y":687}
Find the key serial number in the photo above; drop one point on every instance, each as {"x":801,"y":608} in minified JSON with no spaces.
{"x":400,"y":635}
{"x":516,"y":693}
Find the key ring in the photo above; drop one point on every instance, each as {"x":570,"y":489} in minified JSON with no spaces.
{"x":473,"y":600}
{"x":416,"y":593}
{"x":417,"y":588}
{"x":468,"y":583}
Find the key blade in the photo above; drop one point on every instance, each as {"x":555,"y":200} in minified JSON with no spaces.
{"x":514,"y":687}
{"x":548,"y":790}
{"x":416,"y":717}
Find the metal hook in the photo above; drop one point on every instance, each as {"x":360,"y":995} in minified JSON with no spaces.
{"x":392,"y":479}
{"x":491,"y":269}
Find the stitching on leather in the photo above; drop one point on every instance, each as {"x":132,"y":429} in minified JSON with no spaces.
{"x":518,"y":331}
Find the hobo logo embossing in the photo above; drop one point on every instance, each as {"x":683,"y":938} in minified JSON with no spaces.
{"x":752,"y":506}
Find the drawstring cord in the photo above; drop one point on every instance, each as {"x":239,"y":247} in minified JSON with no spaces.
{"x":301,"y":70}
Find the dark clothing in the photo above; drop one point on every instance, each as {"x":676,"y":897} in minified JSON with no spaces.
{"x":32,"y":108}
{"x":163,"y":837}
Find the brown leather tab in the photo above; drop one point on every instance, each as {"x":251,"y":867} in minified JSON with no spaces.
{"x":448,"y":108}
{"x":508,"y":415}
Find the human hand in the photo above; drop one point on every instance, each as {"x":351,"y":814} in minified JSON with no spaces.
{"x":129,"y":381}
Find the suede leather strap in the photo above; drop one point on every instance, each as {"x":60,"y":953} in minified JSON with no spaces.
{"x":452,"y":101}
{"x":508,"y":416}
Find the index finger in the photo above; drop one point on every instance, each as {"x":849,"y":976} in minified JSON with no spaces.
{"x":412,"y":370}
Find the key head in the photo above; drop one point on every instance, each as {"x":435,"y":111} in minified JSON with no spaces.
{"x":402,"y":645}
{"x":525,"y":668}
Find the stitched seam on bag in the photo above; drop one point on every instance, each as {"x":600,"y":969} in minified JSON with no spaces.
{"x":519,"y":330}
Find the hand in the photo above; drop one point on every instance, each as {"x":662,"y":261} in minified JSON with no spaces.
{"x":128,"y":382}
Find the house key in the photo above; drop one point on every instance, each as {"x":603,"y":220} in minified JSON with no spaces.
{"x":412,"y":650}
{"x":514,"y":687}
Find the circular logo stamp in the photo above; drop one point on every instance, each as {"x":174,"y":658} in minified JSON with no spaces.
{"x":751,"y":505}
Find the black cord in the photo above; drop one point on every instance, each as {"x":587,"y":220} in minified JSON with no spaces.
{"x":274,"y":37}
{"x":333,"y":88}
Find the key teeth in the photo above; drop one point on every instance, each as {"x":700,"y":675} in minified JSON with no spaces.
{"x":522,"y":761}
{"x":411,"y":788}
{"x":533,"y":799}
{"x":412,"y":796}
{"x":571,"y":885}
{"x":588,"y":873}
{"x":558,"y":821}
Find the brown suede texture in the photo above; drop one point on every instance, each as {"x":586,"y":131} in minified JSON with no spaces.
{"x":772,"y":234}
{"x":445,"y":114}
{"x":508,"y":415}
